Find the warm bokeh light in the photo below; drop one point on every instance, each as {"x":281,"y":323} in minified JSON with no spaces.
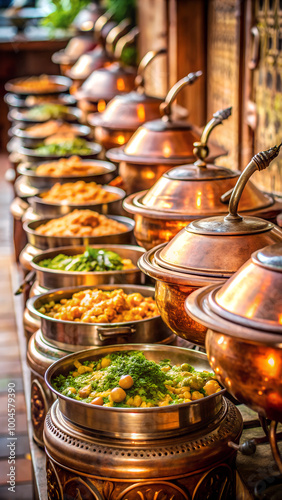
{"x":101,"y":106}
{"x":271,"y":361}
{"x":120,"y":84}
{"x":220,"y":340}
{"x":199,"y":199}
{"x":167,"y":151}
{"x":141,"y":112}
{"x":120,"y":139}
{"x":86,"y":26}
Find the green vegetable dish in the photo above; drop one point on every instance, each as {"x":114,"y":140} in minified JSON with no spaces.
{"x":130,"y":380}
{"x":47,"y":111}
{"x":93,"y":259}
{"x":68,"y":147}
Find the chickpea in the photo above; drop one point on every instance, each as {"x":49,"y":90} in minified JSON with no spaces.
{"x":118,"y":395}
{"x":97,"y":401}
{"x":196,"y":395}
{"x":126,"y":381}
{"x":72,"y":389}
{"x":85,"y":391}
{"x":211,"y":387}
{"x":165,"y":368}
{"x":185,"y":367}
{"x":105,"y":362}
{"x":83,"y":369}
{"x":187,"y":395}
{"x":137,"y":400}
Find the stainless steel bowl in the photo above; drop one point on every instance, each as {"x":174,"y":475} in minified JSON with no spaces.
{"x":105,"y":173}
{"x":63,"y":84}
{"x":73,"y":333}
{"x":20,"y":117}
{"x":47,"y":209}
{"x":15,"y":101}
{"x":139,"y":423}
{"x":32,"y":154}
{"x":50,"y":278}
{"x":27,"y":140}
{"x":45,"y":242}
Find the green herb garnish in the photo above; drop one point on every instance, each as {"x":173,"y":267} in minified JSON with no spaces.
{"x":93,"y":259}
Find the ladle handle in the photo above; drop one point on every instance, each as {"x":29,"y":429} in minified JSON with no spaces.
{"x":259,"y":162}
{"x":144,"y":63}
{"x":116,"y":33}
{"x":165,"y":107}
{"x":201,"y":149}
{"x":127,"y":39}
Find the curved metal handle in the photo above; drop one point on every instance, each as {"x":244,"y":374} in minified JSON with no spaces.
{"x":116,"y":33}
{"x":165,"y":107}
{"x":101,"y":22}
{"x":18,"y":208}
{"x":29,"y":280}
{"x":259,"y":162}
{"x":201,"y":149}
{"x":127,"y":39}
{"x":106,"y":333}
{"x":144,"y":63}
{"x":253,"y":63}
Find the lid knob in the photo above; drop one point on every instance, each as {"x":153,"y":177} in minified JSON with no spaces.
{"x":270,"y":257}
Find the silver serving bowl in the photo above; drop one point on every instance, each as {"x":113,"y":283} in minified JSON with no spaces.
{"x":32,"y":154}
{"x":105,"y":173}
{"x":48,"y":209}
{"x":139,"y":423}
{"x":51,"y":278}
{"x":20,"y":118}
{"x":74,"y":333}
{"x":63,"y":84}
{"x":45,"y":242}
{"x":28,"y":141}
{"x":15,"y":101}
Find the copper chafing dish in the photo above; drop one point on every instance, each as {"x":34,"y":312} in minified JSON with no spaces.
{"x":124,"y":113}
{"x":207,"y":251}
{"x":107,"y":82}
{"x":28,"y":140}
{"x":158,"y":145}
{"x":75,"y":48}
{"x":44,"y":242}
{"x":29,"y":180}
{"x":74,"y":333}
{"x":62,"y":84}
{"x":191,"y":192}
{"x":244,"y":336}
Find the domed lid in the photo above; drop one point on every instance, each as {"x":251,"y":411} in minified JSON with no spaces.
{"x":106,"y":83}
{"x":218,"y":246}
{"x":74,"y":49}
{"x":127,"y":112}
{"x":196,"y":190}
{"x":89,"y":62}
{"x":253,"y":296}
{"x":163,"y":140}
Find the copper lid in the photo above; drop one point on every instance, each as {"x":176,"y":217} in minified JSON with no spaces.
{"x":164,"y":140}
{"x":253,"y":296}
{"x":89,"y":62}
{"x":218,"y":246}
{"x":74,"y":49}
{"x":127,"y":112}
{"x":106,"y":83}
{"x":196,"y":190}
